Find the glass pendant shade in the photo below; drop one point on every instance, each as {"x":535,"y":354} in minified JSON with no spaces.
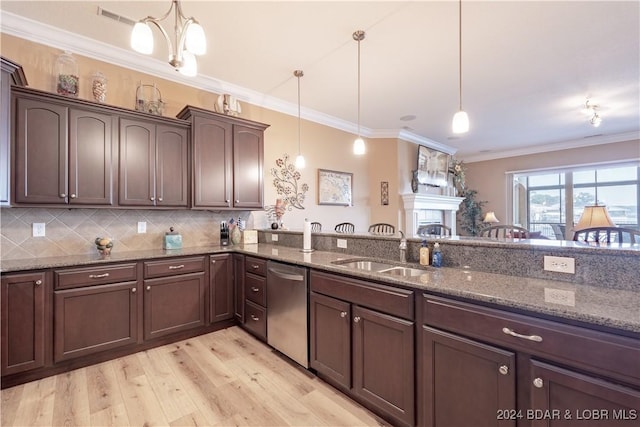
{"x":358,"y":146}
{"x":300,"y":162}
{"x":195,"y":41}
{"x":189,"y":66}
{"x":460,"y":122}
{"x":142,"y":38}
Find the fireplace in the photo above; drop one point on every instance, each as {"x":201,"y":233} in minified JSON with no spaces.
{"x":421,"y":209}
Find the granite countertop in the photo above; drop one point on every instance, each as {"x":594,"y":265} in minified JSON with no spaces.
{"x":617,"y":309}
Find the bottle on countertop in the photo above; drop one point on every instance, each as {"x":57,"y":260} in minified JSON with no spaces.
{"x":437,"y":255}
{"x":424,"y":253}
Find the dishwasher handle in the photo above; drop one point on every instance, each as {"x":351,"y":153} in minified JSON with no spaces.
{"x":288,"y":276}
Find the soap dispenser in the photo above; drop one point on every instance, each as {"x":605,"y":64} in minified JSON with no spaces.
{"x":437,"y":255}
{"x":424,"y":253}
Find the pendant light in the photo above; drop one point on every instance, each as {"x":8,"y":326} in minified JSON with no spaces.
{"x":358,"y":144}
{"x":300,"y":163}
{"x":460,"y":119}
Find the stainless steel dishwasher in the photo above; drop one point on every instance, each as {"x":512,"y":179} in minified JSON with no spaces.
{"x":287,"y":311}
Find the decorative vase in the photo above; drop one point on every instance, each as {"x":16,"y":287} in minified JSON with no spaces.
{"x":236,"y":235}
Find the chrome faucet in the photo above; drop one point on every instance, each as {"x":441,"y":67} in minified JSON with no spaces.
{"x":403,"y":247}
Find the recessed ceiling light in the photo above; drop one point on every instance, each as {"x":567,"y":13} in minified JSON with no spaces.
{"x":408,"y":118}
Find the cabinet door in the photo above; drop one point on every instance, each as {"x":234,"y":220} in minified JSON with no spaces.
{"x":23,"y":322}
{"x":94,"y":318}
{"x":137,"y":163}
{"x":383,"y":362}
{"x":173,"y":304}
{"x":330,"y":339}
{"x":212,"y":155}
{"x":221,"y":287}
{"x":91,"y":158}
{"x":248,"y":146}
{"x":560,"y":397}
{"x":238,"y":278}
{"x":171,"y":166}
{"x":41,"y":152}
{"x":466,"y":381}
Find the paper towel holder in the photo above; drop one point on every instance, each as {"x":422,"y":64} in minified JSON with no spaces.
{"x":306,"y":233}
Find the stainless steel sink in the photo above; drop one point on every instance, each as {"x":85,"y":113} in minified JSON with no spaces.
{"x":380,"y":267}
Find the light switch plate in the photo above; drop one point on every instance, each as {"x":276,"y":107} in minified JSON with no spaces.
{"x":560,"y":264}
{"x":341,"y":243}
{"x":142,"y":227}
{"x":39,"y":229}
{"x":274,"y":237}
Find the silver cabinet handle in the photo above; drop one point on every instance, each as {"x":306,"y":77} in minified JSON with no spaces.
{"x":356,"y":319}
{"x":148,"y":288}
{"x":133,"y":290}
{"x":255,"y":266}
{"x":98,"y":276}
{"x":538,"y":383}
{"x":159,"y":199}
{"x":226,"y":200}
{"x":38,"y":282}
{"x":176,"y":267}
{"x":254,"y":317}
{"x":213,"y":261}
{"x":73,"y":196}
{"x":343,"y":314}
{"x":536,"y":338}
{"x":237,"y":201}
{"x":254,"y":289}
{"x":504,"y":369}
{"x":62,"y":195}
{"x":152,"y":198}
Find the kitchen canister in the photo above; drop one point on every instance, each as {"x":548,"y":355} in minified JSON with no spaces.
{"x":99,"y":87}
{"x":66,"y":75}
{"x":172,"y":240}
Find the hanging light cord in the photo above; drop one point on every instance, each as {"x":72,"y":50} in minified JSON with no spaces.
{"x":298,"y":75}
{"x":359,"y":87}
{"x":460,"y":53}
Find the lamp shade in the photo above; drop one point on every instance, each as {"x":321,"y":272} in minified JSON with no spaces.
{"x":460,"y":122}
{"x":300,"y":163}
{"x":142,"y":38}
{"x":490,"y":217}
{"x":189,"y":66}
{"x":196,"y":42}
{"x":358,"y":146}
{"x":594,"y":216}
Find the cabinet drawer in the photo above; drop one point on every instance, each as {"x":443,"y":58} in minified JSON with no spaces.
{"x":254,"y":289}
{"x":255,"y":319}
{"x":256,"y":266}
{"x":173,"y":267}
{"x":387,"y":299}
{"x":96,"y":275}
{"x":608,"y":354}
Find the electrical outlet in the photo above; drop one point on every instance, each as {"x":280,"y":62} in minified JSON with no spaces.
{"x":142,"y":227}
{"x":39,"y":229}
{"x":274,"y":237}
{"x":560,"y":264}
{"x":341,"y":243}
{"x":558,"y":296}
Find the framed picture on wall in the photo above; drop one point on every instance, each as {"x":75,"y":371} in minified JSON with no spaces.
{"x":433,"y":167}
{"x":335,"y":188}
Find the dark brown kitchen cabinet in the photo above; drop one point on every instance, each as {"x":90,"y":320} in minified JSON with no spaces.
{"x":228,"y":160}
{"x":153,"y":164}
{"x":362,"y":341}
{"x":24,"y":322}
{"x":65,"y":153}
{"x":511,"y":369}
{"x":255,"y":296}
{"x":95,"y":309}
{"x":12,"y":74}
{"x":221,"y":303}
{"x":466,"y":380}
{"x":174,"y":296}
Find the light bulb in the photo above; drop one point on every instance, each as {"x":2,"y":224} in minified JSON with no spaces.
{"x":460,"y":122}
{"x":300,"y":163}
{"x":196,"y":42}
{"x":596,"y":120}
{"x":142,"y":38}
{"x":358,"y":146}
{"x":189,"y":66}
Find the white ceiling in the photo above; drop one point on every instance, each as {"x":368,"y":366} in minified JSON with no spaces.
{"x":528,"y":67}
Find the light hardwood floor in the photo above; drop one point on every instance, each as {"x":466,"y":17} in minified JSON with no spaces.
{"x":225,"y":378}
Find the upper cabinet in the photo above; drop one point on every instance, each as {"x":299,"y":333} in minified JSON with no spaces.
{"x":153,"y":164}
{"x":228,"y":160}
{"x":64,"y":153}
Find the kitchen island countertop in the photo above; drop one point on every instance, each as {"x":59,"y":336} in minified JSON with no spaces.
{"x":608,"y":308}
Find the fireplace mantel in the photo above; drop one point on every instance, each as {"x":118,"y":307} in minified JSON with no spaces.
{"x":414,"y":202}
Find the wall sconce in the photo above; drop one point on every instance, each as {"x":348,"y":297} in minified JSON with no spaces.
{"x":592,"y":111}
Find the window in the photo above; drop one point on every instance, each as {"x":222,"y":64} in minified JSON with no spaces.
{"x":540,"y":199}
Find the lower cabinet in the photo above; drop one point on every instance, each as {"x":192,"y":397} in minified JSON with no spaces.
{"x":221,"y":288}
{"x":255,"y":296}
{"x":368,"y":353}
{"x":175,"y":300}
{"x":24,"y":322}
{"x":238,"y":283}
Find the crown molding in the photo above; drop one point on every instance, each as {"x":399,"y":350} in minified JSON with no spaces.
{"x":556,"y":146}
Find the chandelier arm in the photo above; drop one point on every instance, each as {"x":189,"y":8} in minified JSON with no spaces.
{"x":165,"y":35}
{"x":183,"y":34}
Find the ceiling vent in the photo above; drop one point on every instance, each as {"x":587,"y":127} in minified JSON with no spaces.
{"x":116,"y":17}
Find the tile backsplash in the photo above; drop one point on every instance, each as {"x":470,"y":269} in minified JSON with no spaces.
{"x":73,"y":231}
